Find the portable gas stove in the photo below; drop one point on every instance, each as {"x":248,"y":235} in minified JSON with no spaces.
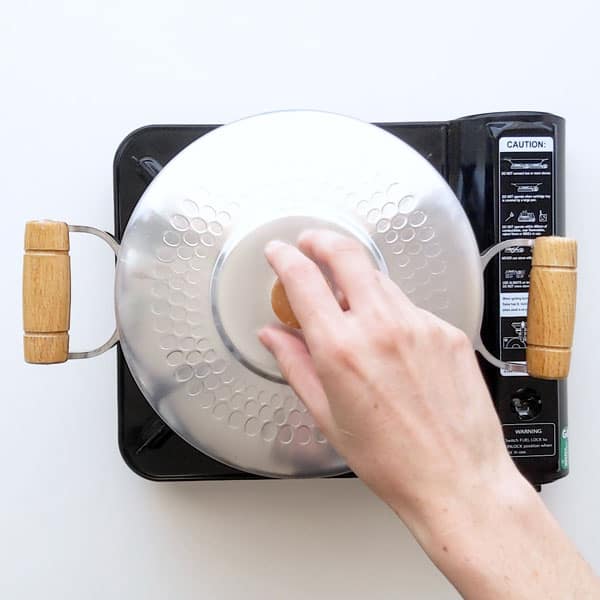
{"x":507,"y":169}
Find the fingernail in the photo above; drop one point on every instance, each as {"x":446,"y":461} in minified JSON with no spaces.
{"x":305,"y":234}
{"x":273,"y":246}
{"x":263,"y":336}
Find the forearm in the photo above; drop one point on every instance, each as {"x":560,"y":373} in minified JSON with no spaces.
{"x":385,"y":383}
{"x":500,"y":541}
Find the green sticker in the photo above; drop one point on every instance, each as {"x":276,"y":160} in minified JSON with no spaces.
{"x":564,"y":449}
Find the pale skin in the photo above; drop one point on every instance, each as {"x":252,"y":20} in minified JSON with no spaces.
{"x":399,"y":394}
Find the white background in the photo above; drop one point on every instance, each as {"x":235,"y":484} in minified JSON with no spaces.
{"x":75,"y":78}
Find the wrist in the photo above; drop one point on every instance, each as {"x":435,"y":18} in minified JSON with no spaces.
{"x":464,"y":527}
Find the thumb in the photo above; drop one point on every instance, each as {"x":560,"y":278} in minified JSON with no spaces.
{"x":297,"y":367}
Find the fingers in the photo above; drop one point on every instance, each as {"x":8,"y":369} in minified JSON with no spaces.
{"x":346,"y":259}
{"x":298,"y":369}
{"x":394,"y":293}
{"x":309,"y":295}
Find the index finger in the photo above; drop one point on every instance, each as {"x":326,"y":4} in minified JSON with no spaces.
{"x":309,"y":294}
{"x":353,"y":271}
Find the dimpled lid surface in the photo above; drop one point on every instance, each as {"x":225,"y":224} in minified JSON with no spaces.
{"x":193,"y":286}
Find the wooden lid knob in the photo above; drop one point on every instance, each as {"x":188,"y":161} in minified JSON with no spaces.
{"x":281,"y":306}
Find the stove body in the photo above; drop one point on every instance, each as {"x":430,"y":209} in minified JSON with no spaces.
{"x":507,"y":169}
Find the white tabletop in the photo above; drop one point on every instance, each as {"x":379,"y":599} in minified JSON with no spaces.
{"x":78,"y":75}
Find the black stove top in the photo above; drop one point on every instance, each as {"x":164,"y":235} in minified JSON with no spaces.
{"x":475,"y":161}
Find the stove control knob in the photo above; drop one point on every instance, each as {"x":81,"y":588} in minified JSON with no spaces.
{"x":526,"y":403}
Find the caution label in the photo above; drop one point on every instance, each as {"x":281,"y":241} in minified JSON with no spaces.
{"x":537,"y":439}
{"x":526,"y":210}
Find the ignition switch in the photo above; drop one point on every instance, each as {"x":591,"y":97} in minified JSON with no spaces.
{"x":526,"y":402}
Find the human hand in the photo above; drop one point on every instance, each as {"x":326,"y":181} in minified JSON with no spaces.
{"x":399,"y":394}
{"x":396,"y":390}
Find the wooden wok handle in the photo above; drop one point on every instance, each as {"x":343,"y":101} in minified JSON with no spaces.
{"x":551,"y":311}
{"x":46,"y":292}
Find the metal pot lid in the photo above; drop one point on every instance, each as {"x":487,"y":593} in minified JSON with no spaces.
{"x":193,"y":286}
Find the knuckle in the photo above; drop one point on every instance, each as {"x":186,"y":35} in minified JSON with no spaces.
{"x":297,"y":270}
{"x":437,"y":330}
{"x":345,"y":244}
{"x":398,"y":330}
{"x":378,"y":314}
{"x":458,"y":340}
{"x":410,"y":336}
{"x":291,"y":372}
{"x":336,"y":244}
{"x":345,"y":354}
{"x":410,"y":329}
{"x":445,"y":335}
{"x":337,"y":348}
{"x":388,"y":335}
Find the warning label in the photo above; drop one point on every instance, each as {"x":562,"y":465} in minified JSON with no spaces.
{"x":530,"y":440}
{"x":513,"y":305}
{"x":526,"y":210}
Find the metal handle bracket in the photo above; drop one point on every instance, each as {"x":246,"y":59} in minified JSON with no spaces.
{"x":486,"y":257}
{"x":114,"y":245}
